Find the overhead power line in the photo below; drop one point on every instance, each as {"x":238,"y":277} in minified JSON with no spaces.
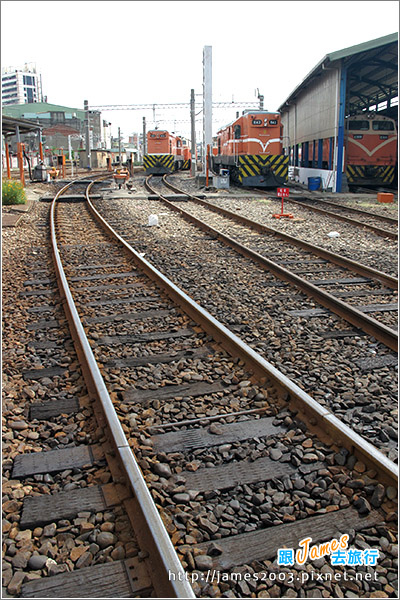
{"x":251,"y":104}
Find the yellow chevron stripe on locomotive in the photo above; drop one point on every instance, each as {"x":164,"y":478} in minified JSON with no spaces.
{"x":388,"y":175}
{"x":350,"y":174}
{"x":186,"y":165}
{"x":355,"y":173}
{"x":267,"y":169}
{"x":158,"y":164}
{"x":362,"y":174}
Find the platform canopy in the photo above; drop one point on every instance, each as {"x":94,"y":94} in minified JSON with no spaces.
{"x":10,"y":126}
{"x":372,"y":74}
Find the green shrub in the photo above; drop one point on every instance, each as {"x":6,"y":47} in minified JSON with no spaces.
{"x":12,"y":192}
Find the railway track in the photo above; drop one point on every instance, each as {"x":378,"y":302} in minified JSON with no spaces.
{"x":259,"y":308}
{"x":357,"y":211}
{"x":369,"y":220}
{"x":329,"y":271}
{"x":77,"y":532}
{"x":352,"y":241}
{"x":240,"y":462}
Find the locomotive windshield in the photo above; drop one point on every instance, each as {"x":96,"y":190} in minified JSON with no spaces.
{"x":358,"y":125}
{"x":382,"y":126}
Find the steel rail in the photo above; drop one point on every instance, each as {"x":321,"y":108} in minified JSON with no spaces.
{"x":342,"y":261}
{"x":359,"y":211}
{"x":168,"y":576}
{"x":382,"y":232}
{"x":352,"y":315}
{"x":318,"y":418}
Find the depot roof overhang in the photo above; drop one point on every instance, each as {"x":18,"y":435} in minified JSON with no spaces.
{"x":372,"y":73}
{"x":9,"y":126}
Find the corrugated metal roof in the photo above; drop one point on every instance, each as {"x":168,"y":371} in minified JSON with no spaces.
{"x":18,"y":110}
{"x":372,"y":72}
{"x":364,"y":47}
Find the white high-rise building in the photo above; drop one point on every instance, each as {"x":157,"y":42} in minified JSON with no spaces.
{"x":21,"y":85}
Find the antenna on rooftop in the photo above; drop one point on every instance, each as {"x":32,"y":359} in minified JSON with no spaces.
{"x":261,"y":99}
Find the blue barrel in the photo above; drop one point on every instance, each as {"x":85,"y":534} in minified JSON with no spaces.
{"x":314,"y":183}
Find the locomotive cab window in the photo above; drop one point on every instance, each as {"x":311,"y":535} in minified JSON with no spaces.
{"x":238,"y":132}
{"x":382,"y":126}
{"x":358,"y":125}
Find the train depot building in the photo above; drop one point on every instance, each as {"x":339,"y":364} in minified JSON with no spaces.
{"x":360,"y":83}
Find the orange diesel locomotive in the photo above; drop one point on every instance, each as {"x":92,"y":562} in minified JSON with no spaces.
{"x":165,"y":153}
{"x":370,"y":149}
{"x":183,"y":153}
{"x":161,"y":152}
{"x":251,"y":149}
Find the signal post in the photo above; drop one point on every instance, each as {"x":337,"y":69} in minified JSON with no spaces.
{"x":283,"y":193}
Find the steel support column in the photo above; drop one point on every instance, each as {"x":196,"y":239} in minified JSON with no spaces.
{"x":340,"y":139}
{"x":331,"y":145}
{"x":306,"y":155}
{"x":320,"y":151}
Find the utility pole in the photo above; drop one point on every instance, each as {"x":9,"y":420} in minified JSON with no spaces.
{"x":87,"y":132}
{"x":193,"y":133}
{"x":207,"y":102}
{"x":70,"y":155}
{"x":119,"y":146}
{"x":144,"y":137}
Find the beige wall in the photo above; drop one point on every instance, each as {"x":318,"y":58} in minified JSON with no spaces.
{"x":314,"y":114}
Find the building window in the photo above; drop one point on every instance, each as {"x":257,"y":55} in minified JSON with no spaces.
{"x":57,"y":117}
